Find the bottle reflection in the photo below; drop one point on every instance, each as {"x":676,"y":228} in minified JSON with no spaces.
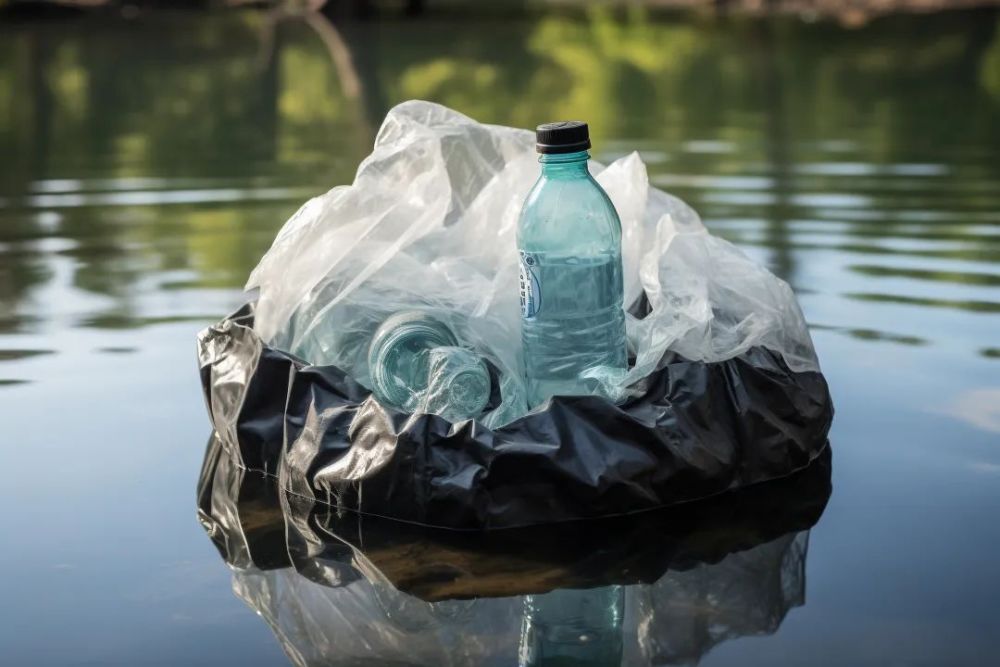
{"x":573,"y":627}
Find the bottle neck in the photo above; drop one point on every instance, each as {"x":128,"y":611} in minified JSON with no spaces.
{"x":564,"y":165}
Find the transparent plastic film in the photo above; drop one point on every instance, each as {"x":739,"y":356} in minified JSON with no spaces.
{"x":429,"y":224}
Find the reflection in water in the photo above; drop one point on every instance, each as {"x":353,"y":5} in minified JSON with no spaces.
{"x":979,"y":407}
{"x":974,"y":306}
{"x":871,"y":335}
{"x":658,"y":588}
{"x":968,"y":278}
{"x":573,"y":627}
{"x":11,"y":355}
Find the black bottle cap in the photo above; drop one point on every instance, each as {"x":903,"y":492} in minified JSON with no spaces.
{"x":566,"y":136}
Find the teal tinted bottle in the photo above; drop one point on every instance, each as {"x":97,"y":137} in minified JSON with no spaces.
{"x":569,"y":240}
{"x":582,"y":628}
{"x":416,"y":365}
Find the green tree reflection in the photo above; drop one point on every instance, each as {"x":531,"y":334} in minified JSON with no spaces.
{"x":173,"y":147}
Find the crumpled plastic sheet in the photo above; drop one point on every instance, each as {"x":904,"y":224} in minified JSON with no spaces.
{"x":724,"y":391}
{"x":698,"y":429}
{"x":429,"y":224}
{"x":351,"y":590}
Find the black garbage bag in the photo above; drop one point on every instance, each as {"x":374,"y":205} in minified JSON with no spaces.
{"x":697,"y":430}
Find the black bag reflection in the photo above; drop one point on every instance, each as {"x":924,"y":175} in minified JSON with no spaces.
{"x":659,"y":588}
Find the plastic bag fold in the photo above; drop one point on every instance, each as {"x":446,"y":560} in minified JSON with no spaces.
{"x":429,"y":223}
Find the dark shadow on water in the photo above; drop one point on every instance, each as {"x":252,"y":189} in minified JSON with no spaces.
{"x":970,"y":305}
{"x":124,"y":321}
{"x":872,"y":335}
{"x":16,"y":355}
{"x":960,"y":277}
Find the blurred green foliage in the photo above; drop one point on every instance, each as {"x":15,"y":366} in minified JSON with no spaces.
{"x":243,"y":113}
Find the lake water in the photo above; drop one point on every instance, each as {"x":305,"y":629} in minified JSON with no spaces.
{"x":146,"y":163}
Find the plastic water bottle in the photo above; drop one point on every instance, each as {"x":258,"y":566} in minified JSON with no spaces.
{"x":458,"y":383}
{"x":573,"y":627}
{"x":417,"y":365}
{"x":569,"y":238}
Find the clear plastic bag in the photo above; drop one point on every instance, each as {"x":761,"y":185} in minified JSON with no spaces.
{"x":674,"y":621}
{"x":429,"y":224}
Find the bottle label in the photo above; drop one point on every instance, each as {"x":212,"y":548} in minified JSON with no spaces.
{"x":531,"y":293}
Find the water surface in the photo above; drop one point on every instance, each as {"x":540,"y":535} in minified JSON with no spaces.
{"x":146,"y":164}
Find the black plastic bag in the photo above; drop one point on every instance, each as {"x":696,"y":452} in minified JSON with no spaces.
{"x":697,"y":429}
